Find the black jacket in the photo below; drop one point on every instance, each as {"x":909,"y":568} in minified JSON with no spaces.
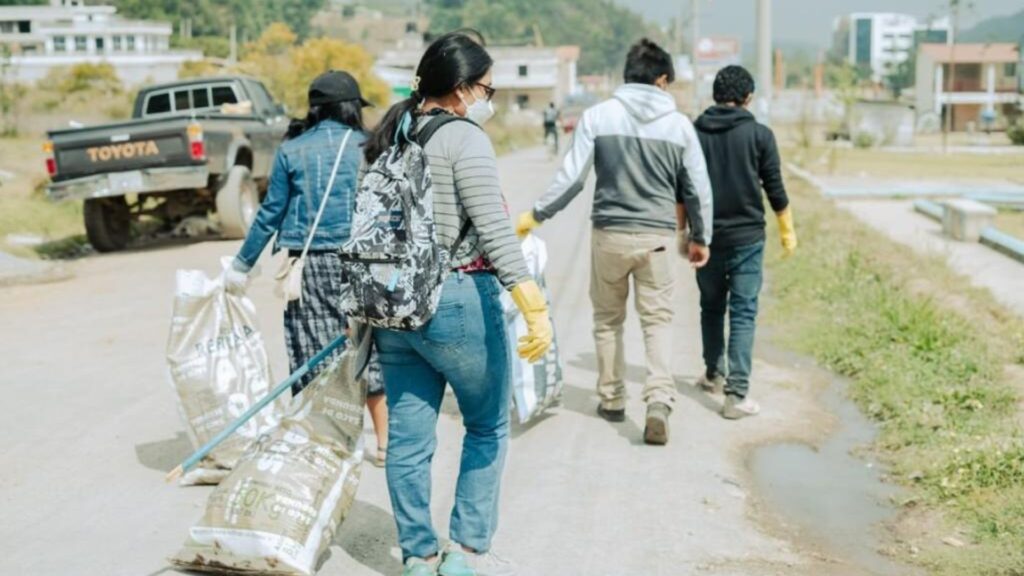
{"x":742,"y":157}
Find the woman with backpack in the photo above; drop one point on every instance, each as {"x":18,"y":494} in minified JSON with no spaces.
{"x":464,"y":343}
{"x":323,"y":149}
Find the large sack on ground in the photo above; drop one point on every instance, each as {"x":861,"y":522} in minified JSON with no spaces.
{"x":218,"y":367}
{"x":538,"y":386}
{"x":279,"y":509}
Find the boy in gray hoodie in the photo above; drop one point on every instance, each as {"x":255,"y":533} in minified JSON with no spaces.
{"x":648,"y":161}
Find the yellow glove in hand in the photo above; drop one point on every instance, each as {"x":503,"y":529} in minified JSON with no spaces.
{"x":531,"y":303}
{"x":786,"y":231}
{"x":526,"y":223}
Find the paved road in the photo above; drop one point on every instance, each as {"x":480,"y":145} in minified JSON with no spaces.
{"x":90,"y":427}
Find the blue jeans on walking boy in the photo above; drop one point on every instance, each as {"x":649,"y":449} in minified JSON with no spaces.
{"x":730,"y":282}
{"x":464,"y":345}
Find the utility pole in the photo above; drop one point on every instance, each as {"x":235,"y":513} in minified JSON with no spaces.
{"x":764,"y":56}
{"x":694,"y":53}
{"x":233,"y":57}
{"x":947,"y":126}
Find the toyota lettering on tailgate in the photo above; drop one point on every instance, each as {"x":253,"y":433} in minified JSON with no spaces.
{"x":127,"y":150}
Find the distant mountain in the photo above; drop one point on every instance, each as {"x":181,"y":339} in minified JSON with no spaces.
{"x":998,"y":29}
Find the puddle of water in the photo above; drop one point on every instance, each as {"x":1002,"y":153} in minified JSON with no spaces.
{"x":836,"y":499}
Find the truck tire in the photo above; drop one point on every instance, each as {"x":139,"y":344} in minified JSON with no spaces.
{"x":238,"y":200}
{"x":108,"y":223}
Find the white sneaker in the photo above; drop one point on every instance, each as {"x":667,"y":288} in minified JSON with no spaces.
{"x":736,"y":408}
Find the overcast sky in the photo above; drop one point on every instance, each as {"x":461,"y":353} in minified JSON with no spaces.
{"x":807,"y":21}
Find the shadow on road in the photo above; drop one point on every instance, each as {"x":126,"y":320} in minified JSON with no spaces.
{"x":686,"y":385}
{"x":367,"y":535}
{"x":164,"y":455}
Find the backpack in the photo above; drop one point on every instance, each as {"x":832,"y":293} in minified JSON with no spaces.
{"x":392,"y":265}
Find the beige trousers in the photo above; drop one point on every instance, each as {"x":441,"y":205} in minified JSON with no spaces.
{"x":647,"y":257}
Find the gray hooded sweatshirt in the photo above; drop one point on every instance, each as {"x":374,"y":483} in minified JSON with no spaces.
{"x":647,"y":158}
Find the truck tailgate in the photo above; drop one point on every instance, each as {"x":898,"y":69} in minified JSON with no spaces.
{"x":120,"y":148}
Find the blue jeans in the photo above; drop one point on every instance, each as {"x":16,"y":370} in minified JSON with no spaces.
{"x":465,"y":345}
{"x":731,"y":281}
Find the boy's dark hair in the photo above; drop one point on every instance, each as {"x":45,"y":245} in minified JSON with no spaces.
{"x":646,"y":62}
{"x":733,"y":85}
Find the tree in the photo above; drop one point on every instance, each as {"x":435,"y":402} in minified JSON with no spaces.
{"x":902,"y":76}
{"x":288,"y":68}
{"x":601,"y":28}
{"x":11,"y":94}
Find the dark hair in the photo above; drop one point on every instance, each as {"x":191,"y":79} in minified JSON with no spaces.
{"x":733,"y":85}
{"x":348,"y":112}
{"x":454,"y":59}
{"x":646,"y":62}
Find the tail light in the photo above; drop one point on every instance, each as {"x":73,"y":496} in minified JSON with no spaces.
{"x":51,"y":162}
{"x":196,"y":146}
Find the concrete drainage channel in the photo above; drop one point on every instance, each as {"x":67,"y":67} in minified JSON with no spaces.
{"x":970,"y":220}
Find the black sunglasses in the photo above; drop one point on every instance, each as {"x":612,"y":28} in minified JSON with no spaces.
{"x":488,"y":90}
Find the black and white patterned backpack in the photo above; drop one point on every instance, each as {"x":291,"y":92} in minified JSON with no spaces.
{"x":392,"y":265}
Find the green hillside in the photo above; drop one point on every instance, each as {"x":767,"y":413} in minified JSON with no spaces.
{"x":998,"y":29}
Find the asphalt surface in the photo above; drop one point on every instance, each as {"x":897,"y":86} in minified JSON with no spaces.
{"x":90,"y":427}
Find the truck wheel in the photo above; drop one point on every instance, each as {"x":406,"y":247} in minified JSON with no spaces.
{"x":237,"y":201}
{"x":108,"y":223}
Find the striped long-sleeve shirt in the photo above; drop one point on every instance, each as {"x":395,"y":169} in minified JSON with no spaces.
{"x":464,"y":170}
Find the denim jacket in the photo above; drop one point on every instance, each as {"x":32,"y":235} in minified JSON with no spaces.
{"x":297,"y":181}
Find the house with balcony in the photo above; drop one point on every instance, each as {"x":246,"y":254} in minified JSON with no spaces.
{"x":39,"y":38}
{"x":969,"y":81}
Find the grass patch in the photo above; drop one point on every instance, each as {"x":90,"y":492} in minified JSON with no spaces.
{"x":1011,"y":222}
{"x":875,"y":163}
{"x":926,"y":353}
{"x":509,"y":138}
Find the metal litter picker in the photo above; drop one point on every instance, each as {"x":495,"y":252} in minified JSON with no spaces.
{"x":201,"y":453}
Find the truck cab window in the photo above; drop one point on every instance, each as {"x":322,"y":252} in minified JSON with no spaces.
{"x":181,"y":101}
{"x":158,"y":104}
{"x":200,"y":98}
{"x":224,"y":95}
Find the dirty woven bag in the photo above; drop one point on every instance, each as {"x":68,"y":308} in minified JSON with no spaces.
{"x":392,"y":265}
{"x":218,"y":366}
{"x":278,"y":511}
{"x":536,"y":386}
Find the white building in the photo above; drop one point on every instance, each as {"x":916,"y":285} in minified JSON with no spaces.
{"x":881,"y":41}
{"x":526,"y":77}
{"x":68,"y":32}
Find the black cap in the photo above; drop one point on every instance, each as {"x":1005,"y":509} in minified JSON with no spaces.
{"x":335,"y":86}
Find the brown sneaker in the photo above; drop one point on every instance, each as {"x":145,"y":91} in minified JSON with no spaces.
{"x":736,"y":408}
{"x":656,"y":430}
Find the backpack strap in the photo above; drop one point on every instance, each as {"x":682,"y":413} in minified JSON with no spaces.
{"x":434,"y":124}
{"x":422,"y":137}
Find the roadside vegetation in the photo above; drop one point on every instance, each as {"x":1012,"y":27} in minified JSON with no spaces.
{"x":936,"y":362}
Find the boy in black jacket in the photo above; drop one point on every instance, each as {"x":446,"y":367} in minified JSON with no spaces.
{"x":742,"y":158}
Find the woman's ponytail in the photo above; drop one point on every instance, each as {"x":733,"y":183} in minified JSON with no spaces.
{"x":384,"y":135}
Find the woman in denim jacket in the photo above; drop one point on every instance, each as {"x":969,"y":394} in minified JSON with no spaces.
{"x":298,"y":180}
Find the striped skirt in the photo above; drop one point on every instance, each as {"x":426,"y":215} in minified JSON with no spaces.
{"x":310,"y":326}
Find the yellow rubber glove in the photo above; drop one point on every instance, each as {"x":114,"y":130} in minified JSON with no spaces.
{"x":787,"y":232}
{"x":526,"y":223}
{"x":530,"y":301}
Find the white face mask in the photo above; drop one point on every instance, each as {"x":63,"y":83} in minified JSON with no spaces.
{"x":480,"y":111}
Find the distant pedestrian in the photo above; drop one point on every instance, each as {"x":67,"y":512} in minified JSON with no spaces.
{"x":648,"y":163}
{"x":742,"y":158}
{"x":551,"y":118}
{"x":297,"y":187}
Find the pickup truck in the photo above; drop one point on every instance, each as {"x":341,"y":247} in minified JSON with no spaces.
{"x":192,"y":148}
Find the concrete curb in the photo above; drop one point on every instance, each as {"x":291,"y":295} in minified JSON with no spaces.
{"x":990,"y":236}
{"x":14,"y":271}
